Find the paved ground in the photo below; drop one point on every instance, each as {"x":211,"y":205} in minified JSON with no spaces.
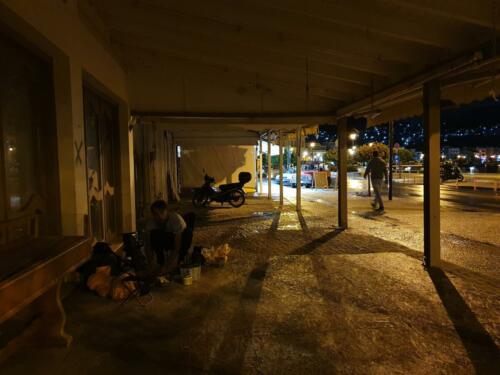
{"x":299,"y":297}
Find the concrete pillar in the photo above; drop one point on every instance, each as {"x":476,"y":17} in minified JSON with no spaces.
{"x":260,"y":166}
{"x":68,"y":98}
{"x":342,"y":172}
{"x":281,"y":167}
{"x":432,"y":159}
{"x":269,"y":167}
{"x":391,"y":156}
{"x":127,"y":169}
{"x":298,"y":180}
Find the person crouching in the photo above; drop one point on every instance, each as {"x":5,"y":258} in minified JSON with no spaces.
{"x":168,"y":236}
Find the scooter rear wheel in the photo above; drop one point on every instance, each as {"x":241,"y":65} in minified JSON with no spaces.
{"x":199,"y":200}
{"x":237,"y":198}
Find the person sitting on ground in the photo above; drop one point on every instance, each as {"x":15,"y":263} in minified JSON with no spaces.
{"x":168,"y":233}
{"x":378,"y":169}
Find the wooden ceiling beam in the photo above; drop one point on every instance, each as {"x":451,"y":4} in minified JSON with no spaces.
{"x":369,"y":17}
{"x":274,"y":31}
{"x":257,"y":69}
{"x":259,"y":42}
{"x":473,"y":12}
{"x":163,"y":66}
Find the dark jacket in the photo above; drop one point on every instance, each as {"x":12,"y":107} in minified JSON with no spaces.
{"x":378,"y":169}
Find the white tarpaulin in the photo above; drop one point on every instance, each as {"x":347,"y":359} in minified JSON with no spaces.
{"x":224,"y":163}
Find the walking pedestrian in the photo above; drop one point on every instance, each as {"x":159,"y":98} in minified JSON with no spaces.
{"x":377,"y":169}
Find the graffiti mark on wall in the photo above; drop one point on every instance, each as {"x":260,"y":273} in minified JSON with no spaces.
{"x":78,"y":148}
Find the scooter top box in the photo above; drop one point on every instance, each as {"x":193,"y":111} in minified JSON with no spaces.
{"x":244,"y":177}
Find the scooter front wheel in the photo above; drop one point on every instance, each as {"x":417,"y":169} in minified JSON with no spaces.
{"x":237,"y":198}
{"x":199,"y":199}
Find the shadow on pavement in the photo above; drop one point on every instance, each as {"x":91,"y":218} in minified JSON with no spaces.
{"x":231,"y":353}
{"x":314,"y":244}
{"x":482,"y":350}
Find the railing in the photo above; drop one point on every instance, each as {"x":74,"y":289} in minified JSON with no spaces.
{"x":479,"y":182}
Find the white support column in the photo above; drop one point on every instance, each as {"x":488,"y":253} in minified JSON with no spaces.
{"x":298,"y":179}
{"x":432,"y":152}
{"x":342,"y":172}
{"x":281,"y":168}
{"x":269,"y":168}
{"x":260,"y":166}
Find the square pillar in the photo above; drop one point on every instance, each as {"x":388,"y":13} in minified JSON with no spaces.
{"x":298,"y":179}
{"x":281,"y":167}
{"x":342,"y":172}
{"x":432,"y":181}
{"x":269,"y":167}
{"x":260,"y":166}
{"x":391,"y":156}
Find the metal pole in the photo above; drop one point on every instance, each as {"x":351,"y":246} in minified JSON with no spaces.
{"x":391,"y":156}
{"x":432,"y":159}
{"x":281,"y":167}
{"x":298,"y":179}
{"x":369,"y":185}
{"x":260,"y":166}
{"x":269,"y":167}
{"x":342,"y":172}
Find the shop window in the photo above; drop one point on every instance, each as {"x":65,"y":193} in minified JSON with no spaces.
{"x":101,"y":127}
{"x":28,"y":151}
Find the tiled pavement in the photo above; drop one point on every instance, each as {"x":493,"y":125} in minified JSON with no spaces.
{"x":299,"y":297}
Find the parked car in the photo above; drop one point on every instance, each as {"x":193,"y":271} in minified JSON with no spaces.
{"x":305,"y":179}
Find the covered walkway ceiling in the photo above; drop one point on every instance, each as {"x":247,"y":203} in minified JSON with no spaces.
{"x":281,"y":57}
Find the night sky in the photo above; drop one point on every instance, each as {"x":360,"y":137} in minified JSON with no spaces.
{"x":474,"y":125}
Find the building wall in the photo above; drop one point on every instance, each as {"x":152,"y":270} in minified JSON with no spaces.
{"x":155,"y":166}
{"x":55,"y":28}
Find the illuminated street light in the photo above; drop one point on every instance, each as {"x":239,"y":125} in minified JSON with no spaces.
{"x":351,"y":151}
{"x":305,"y":153}
{"x":312,"y":144}
{"x":353,"y":136}
{"x":370,"y":144}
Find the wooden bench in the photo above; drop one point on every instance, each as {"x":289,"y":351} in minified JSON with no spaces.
{"x":31,"y":271}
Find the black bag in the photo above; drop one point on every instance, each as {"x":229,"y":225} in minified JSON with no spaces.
{"x":102,"y":255}
{"x":133,"y":253}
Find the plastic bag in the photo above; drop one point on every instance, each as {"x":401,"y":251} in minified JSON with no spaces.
{"x":100,"y":281}
{"x":216,"y":255}
{"x":121,"y":289}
